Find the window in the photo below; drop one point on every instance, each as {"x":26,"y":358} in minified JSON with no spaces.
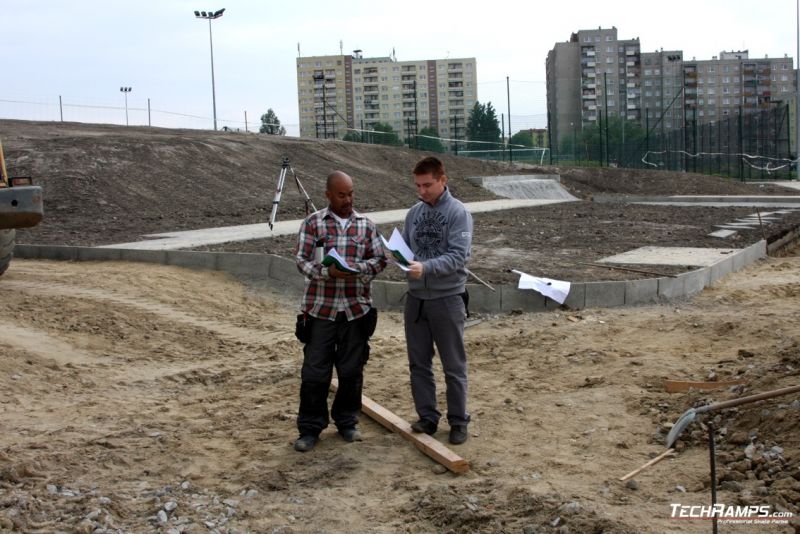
{"x":608,"y":38}
{"x":648,"y":72}
{"x":711,"y":69}
{"x":609,"y":60}
{"x":657,"y":72}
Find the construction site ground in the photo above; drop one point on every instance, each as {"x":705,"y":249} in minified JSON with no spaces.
{"x":147,"y":398}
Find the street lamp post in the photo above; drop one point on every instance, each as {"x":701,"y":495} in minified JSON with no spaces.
{"x":125,"y":91}
{"x":211,"y":16}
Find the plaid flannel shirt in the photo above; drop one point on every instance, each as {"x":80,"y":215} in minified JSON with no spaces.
{"x":359,"y":244}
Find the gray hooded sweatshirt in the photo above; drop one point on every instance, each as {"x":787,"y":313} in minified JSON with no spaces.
{"x":440,"y":237}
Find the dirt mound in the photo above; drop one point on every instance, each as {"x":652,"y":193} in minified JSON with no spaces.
{"x":110,"y":184}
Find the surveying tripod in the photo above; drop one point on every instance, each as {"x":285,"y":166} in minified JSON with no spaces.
{"x":279,"y":190}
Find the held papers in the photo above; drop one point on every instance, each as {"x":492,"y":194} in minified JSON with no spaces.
{"x":400,"y":253}
{"x":333,"y":257}
{"x":555,"y":289}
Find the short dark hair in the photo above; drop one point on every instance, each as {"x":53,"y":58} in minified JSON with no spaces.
{"x":429,"y":165}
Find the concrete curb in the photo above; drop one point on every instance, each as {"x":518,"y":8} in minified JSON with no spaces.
{"x":280,"y":273}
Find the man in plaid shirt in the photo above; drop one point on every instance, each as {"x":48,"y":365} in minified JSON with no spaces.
{"x":338,"y":309}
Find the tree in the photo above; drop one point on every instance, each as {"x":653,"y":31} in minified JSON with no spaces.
{"x":522,"y":137}
{"x":482,"y":125}
{"x":383,"y":134}
{"x":270,"y":124}
{"x":424,"y":141}
{"x":352,"y":136}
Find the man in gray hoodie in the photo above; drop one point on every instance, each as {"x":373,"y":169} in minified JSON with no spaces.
{"x":438,"y":229}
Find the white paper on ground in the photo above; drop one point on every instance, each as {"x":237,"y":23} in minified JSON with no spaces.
{"x":555,"y":289}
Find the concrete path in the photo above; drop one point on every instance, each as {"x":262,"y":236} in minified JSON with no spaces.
{"x":227,"y":234}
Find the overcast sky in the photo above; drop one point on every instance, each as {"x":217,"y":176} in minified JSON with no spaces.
{"x":85,"y":50}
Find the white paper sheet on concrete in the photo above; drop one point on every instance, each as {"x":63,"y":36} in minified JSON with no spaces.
{"x":555,"y":289}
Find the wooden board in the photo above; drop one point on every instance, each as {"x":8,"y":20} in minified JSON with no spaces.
{"x":428,"y":445}
{"x":674,"y":386}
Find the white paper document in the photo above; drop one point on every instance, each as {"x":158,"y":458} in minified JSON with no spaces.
{"x":555,"y":289}
{"x":333,"y":257}
{"x":400,"y":252}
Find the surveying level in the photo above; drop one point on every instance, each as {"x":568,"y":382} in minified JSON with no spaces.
{"x":279,"y":190}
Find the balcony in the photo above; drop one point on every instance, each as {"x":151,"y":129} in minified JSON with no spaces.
{"x":455,"y":76}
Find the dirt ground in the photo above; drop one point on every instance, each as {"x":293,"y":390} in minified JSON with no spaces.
{"x":135,"y":391}
{"x":142,"y":398}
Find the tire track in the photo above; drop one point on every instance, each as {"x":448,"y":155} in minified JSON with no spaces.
{"x":226,"y":330}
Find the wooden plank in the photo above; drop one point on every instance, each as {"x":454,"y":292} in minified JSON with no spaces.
{"x":428,"y":445}
{"x":674,"y":386}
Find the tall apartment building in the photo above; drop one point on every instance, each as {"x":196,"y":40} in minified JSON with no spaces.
{"x":337,"y":93}
{"x":596,"y":72}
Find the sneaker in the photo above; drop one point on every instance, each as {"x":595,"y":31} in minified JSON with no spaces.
{"x":305,"y":443}
{"x":424,"y":426}
{"x":458,"y":434}
{"x":351,"y":434}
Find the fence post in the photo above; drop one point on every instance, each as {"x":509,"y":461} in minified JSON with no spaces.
{"x":741,"y":144}
{"x":61,"y":108}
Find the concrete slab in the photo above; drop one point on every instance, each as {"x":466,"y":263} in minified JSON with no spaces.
{"x":720,"y":270}
{"x":723,"y":234}
{"x":395,"y":293}
{"x":482,"y":299}
{"x":247,"y":232}
{"x":189,"y":259}
{"x":512,"y":298}
{"x":652,"y":255}
{"x":150,"y":256}
{"x":670,"y":288}
{"x":604,"y":294}
{"x":644,"y":291}
{"x":525,"y":186}
{"x":695,"y":281}
{"x":96,"y":254}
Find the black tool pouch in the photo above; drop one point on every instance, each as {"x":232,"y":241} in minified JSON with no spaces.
{"x":302,"y":328}
{"x":465,"y":297}
{"x":370,"y":322}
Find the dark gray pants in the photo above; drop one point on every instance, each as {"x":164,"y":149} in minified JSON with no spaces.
{"x":343,"y":344}
{"x":441,"y":322}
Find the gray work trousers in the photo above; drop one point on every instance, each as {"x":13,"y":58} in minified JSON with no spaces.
{"x":441,"y":322}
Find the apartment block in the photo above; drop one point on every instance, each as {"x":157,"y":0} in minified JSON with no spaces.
{"x":341,"y":93}
{"x":721,"y":86}
{"x":596,"y":75}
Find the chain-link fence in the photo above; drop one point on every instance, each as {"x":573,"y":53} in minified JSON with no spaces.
{"x":744,"y":146}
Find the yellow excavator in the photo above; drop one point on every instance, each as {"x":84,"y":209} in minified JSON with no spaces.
{"x":20,"y":207}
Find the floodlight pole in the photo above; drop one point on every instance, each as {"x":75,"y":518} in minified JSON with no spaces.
{"x":211,"y":16}
{"x":125,"y":91}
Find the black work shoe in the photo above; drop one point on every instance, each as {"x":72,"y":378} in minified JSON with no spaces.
{"x":424,"y":426}
{"x":351,"y":434}
{"x":305,"y":443}
{"x":458,"y":434}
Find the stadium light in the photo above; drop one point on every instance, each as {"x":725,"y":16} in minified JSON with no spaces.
{"x":211,"y":16}
{"x":125,"y":91}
